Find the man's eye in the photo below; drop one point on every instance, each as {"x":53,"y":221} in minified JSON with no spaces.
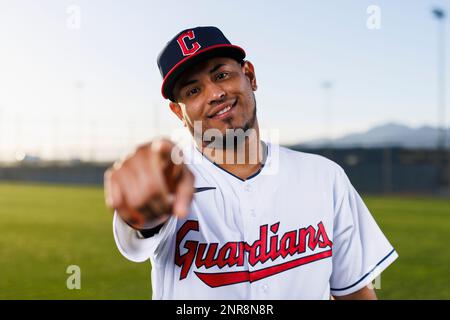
{"x":222,"y":75}
{"x":192,"y":91}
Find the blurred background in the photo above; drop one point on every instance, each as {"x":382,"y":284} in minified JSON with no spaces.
{"x":364,"y":83}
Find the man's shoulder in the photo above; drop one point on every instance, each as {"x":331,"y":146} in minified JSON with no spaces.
{"x":306,"y":159}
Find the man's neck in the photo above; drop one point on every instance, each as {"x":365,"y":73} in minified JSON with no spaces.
{"x":242,"y":160}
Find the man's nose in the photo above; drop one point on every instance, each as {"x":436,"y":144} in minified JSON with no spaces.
{"x":215,"y":93}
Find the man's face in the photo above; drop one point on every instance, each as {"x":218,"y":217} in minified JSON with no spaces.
{"x":219,"y":93}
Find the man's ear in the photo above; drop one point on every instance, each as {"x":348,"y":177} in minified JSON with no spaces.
{"x":176,"y":108}
{"x":249,"y":71}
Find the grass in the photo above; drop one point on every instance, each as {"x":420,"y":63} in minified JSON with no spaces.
{"x":44,"y":229}
{"x":419,"y":229}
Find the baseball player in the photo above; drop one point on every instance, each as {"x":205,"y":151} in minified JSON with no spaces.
{"x":242,"y":220}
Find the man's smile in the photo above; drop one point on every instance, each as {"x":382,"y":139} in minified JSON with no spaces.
{"x":223,"y":110}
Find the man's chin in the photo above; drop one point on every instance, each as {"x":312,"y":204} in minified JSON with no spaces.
{"x":232,"y":134}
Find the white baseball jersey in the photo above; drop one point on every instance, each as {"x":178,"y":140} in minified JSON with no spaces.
{"x":297,"y":229}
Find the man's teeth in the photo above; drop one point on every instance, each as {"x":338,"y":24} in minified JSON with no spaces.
{"x":223,"y":111}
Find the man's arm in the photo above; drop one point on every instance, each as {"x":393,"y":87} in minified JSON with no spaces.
{"x":363,"y":294}
{"x":147,"y":186}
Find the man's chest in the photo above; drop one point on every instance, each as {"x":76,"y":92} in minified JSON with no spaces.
{"x":252,"y":232}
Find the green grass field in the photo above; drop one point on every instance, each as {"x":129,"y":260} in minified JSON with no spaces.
{"x":44,"y":229}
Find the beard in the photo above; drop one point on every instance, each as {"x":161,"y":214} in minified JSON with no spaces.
{"x":235,"y":137}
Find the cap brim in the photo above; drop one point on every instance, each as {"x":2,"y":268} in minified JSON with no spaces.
{"x":222,"y":50}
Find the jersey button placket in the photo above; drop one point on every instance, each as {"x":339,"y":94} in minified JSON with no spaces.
{"x":250,"y":196}
{"x":252,"y":231}
{"x":249,"y":213}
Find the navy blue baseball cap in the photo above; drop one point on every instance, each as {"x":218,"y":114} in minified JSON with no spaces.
{"x":189,"y":47}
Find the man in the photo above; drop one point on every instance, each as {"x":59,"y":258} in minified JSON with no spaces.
{"x":252,"y":220}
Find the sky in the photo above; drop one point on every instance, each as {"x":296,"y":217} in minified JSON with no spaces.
{"x":90,"y":88}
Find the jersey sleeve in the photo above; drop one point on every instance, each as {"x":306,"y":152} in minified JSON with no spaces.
{"x":360,"y":249}
{"x":133,"y":246}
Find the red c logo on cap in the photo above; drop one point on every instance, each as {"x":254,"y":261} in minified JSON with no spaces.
{"x":195,"y":46}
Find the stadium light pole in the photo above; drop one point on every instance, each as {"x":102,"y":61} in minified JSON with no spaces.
{"x":440,"y":16}
{"x":327,"y":87}
{"x":79,"y":88}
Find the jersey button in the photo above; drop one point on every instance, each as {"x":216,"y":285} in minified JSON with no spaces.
{"x":253,"y":213}
{"x":248,"y":188}
{"x":265,"y":287}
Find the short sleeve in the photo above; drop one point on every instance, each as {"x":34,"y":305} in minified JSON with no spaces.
{"x":360,"y":249}
{"x":136,"y":248}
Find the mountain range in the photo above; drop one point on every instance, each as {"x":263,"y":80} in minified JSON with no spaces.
{"x":385,"y":135}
